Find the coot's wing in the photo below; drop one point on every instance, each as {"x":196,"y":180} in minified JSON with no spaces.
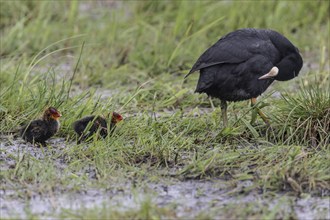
{"x":236,"y":47}
{"x":37,"y":129}
{"x":80,"y":125}
{"x":101,"y":125}
{"x":89,"y":124}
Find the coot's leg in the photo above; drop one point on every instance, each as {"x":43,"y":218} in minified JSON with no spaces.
{"x":262,"y":115}
{"x":211,"y":102}
{"x":224,"y":113}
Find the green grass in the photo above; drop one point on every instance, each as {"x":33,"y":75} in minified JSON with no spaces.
{"x":93,"y":58}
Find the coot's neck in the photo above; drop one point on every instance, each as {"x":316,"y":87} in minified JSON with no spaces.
{"x":112,"y":126}
{"x":53,"y":124}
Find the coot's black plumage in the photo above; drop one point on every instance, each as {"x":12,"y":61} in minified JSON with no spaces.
{"x":242,"y":64}
{"x":92,"y":124}
{"x":40,"y":130}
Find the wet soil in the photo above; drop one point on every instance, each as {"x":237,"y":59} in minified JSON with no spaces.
{"x":186,"y":198}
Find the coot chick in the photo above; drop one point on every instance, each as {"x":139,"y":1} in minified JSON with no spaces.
{"x":243,"y":63}
{"x":92,"y":124}
{"x":40,"y":130}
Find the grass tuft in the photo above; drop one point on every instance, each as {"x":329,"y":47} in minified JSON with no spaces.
{"x":305,"y":117}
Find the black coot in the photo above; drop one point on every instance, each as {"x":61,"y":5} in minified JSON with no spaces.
{"x":242,"y":64}
{"x":40,"y":130}
{"x":89,"y":125}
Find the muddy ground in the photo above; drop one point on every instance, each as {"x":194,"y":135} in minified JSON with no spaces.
{"x":186,"y":198}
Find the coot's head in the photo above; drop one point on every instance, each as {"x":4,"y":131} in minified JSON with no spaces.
{"x":51,"y":113}
{"x":288,"y":68}
{"x":115,"y":118}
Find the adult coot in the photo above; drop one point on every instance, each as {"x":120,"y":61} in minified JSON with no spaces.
{"x":242,"y":64}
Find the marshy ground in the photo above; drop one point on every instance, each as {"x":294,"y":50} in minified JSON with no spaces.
{"x":171,"y":156}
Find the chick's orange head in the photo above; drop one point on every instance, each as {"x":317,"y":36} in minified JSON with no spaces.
{"x":116,"y":117}
{"x":54,"y":113}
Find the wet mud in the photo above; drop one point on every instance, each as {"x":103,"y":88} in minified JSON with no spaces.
{"x":187,"y":198}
